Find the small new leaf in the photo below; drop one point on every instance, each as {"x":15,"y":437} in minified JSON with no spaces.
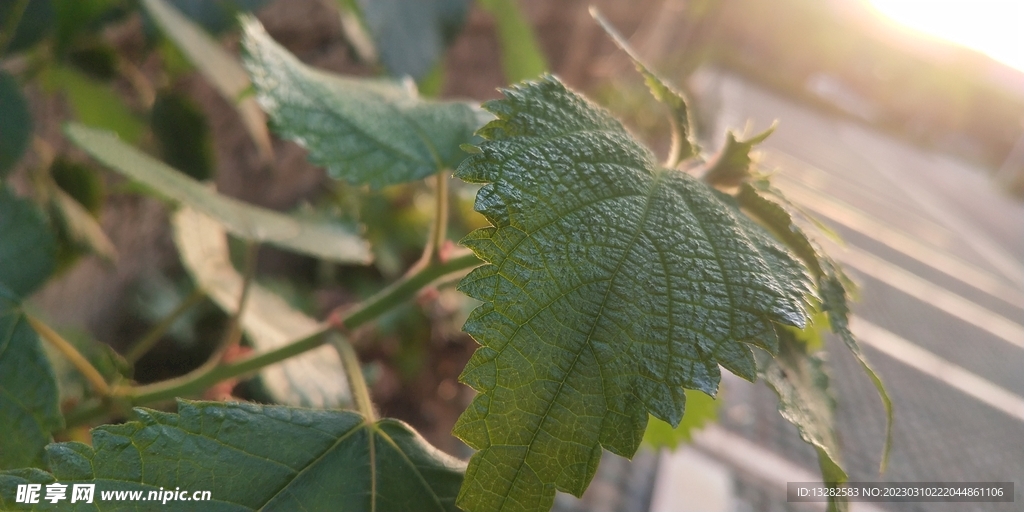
{"x":28,"y":390}
{"x":731,"y":166}
{"x":253,"y":458}
{"x":364,"y":131}
{"x":612,"y":285}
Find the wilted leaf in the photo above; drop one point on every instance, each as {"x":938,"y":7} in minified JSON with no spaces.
{"x":322,"y":240}
{"x":222,"y":69}
{"x":411,"y":35}
{"x":28,"y":389}
{"x":313,"y":379}
{"x":521,"y":57}
{"x":364,"y":131}
{"x":27,"y":247}
{"x":253,"y":457}
{"x":15,"y":123}
{"x":612,"y":285}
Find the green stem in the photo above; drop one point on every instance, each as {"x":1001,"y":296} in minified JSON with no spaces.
{"x":91,"y":374}
{"x":153,"y":336}
{"x":439,"y":228}
{"x":356,"y":380}
{"x":11,"y":27}
{"x":198,"y":380}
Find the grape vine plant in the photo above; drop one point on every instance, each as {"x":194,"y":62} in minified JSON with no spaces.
{"x":613,"y":289}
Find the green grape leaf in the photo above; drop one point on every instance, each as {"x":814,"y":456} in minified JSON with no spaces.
{"x":700,"y":410}
{"x":364,"y":131}
{"x":731,"y":166}
{"x":252,"y":457}
{"x":28,"y":389}
{"x":683,"y":146}
{"x":15,"y":123}
{"x":764,"y":202}
{"x":27,"y":247}
{"x":411,"y":35}
{"x":221,"y":68}
{"x":323,"y":240}
{"x":805,"y":400}
{"x":521,"y":56}
{"x":313,"y":379}
{"x":612,"y":284}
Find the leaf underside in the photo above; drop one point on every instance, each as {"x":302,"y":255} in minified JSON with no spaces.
{"x":253,"y":457}
{"x":365,"y":131}
{"x":612,"y":285}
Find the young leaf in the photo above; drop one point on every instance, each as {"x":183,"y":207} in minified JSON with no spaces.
{"x":683,"y":146}
{"x":28,"y":390}
{"x":364,"y":131}
{"x":218,"y":66}
{"x":700,"y":409}
{"x":731,"y":166}
{"x":15,"y":123}
{"x":799,"y":379}
{"x":521,"y":57}
{"x":253,"y":457}
{"x":27,"y":247}
{"x":241,"y":219}
{"x":313,"y":379}
{"x":612,"y":285}
{"x":411,"y":35}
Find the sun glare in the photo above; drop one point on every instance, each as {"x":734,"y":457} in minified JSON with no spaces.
{"x":993,"y":27}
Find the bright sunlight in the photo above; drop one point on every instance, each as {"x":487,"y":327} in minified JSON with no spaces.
{"x":993,"y":27}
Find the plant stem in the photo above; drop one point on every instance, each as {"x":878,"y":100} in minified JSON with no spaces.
{"x":356,"y":380}
{"x":153,"y":336}
{"x":98,"y":383}
{"x":202,"y":378}
{"x":11,"y":27}
{"x":439,"y":227}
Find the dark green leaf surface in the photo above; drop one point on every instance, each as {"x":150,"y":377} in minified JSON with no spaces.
{"x":254,"y":457}
{"x":683,"y":147}
{"x":612,"y":285}
{"x":364,"y":131}
{"x":28,"y":390}
{"x":805,"y":400}
{"x":411,"y":35}
{"x":27,"y":247}
{"x":322,"y":240}
{"x":15,"y":123}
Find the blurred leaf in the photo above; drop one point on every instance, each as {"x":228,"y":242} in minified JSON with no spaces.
{"x":216,"y":16}
{"x":521,"y":57}
{"x":15,"y":123}
{"x":218,"y":66}
{"x":731,"y":166}
{"x":364,"y":131}
{"x":98,"y":60}
{"x":27,"y":247}
{"x":83,"y":18}
{"x":28,"y":389}
{"x":81,"y":182}
{"x":36,"y":22}
{"x":805,"y":400}
{"x":253,"y":457}
{"x":94,"y":103}
{"x":411,"y":35}
{"x":73,"y":387}
{"x":700,"y":410}
{"x":244,"y":220}
{"x":78,"y":231}
{"x":313,"y":379}
{"x":184,"y":135}
{"x":683,"y":146}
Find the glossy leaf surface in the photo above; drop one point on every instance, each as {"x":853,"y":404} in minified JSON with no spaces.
{"x":253,"y":458}
{"x":613,"y":284}
{"x":364,"y":131}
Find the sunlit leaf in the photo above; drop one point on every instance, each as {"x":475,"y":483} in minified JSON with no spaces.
{"x":222,"y":69}
{"x":612,"y":285}
{"x":313,"y":379}
{"x":27,"y":247}
{"x":246,"y":221}
{"x":28,"y":389}
{"x":364,"y":131}
{"x":252,"y":457}
{"x":731,"y":166}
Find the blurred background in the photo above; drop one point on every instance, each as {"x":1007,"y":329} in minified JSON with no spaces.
{"x":901,"y":127}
